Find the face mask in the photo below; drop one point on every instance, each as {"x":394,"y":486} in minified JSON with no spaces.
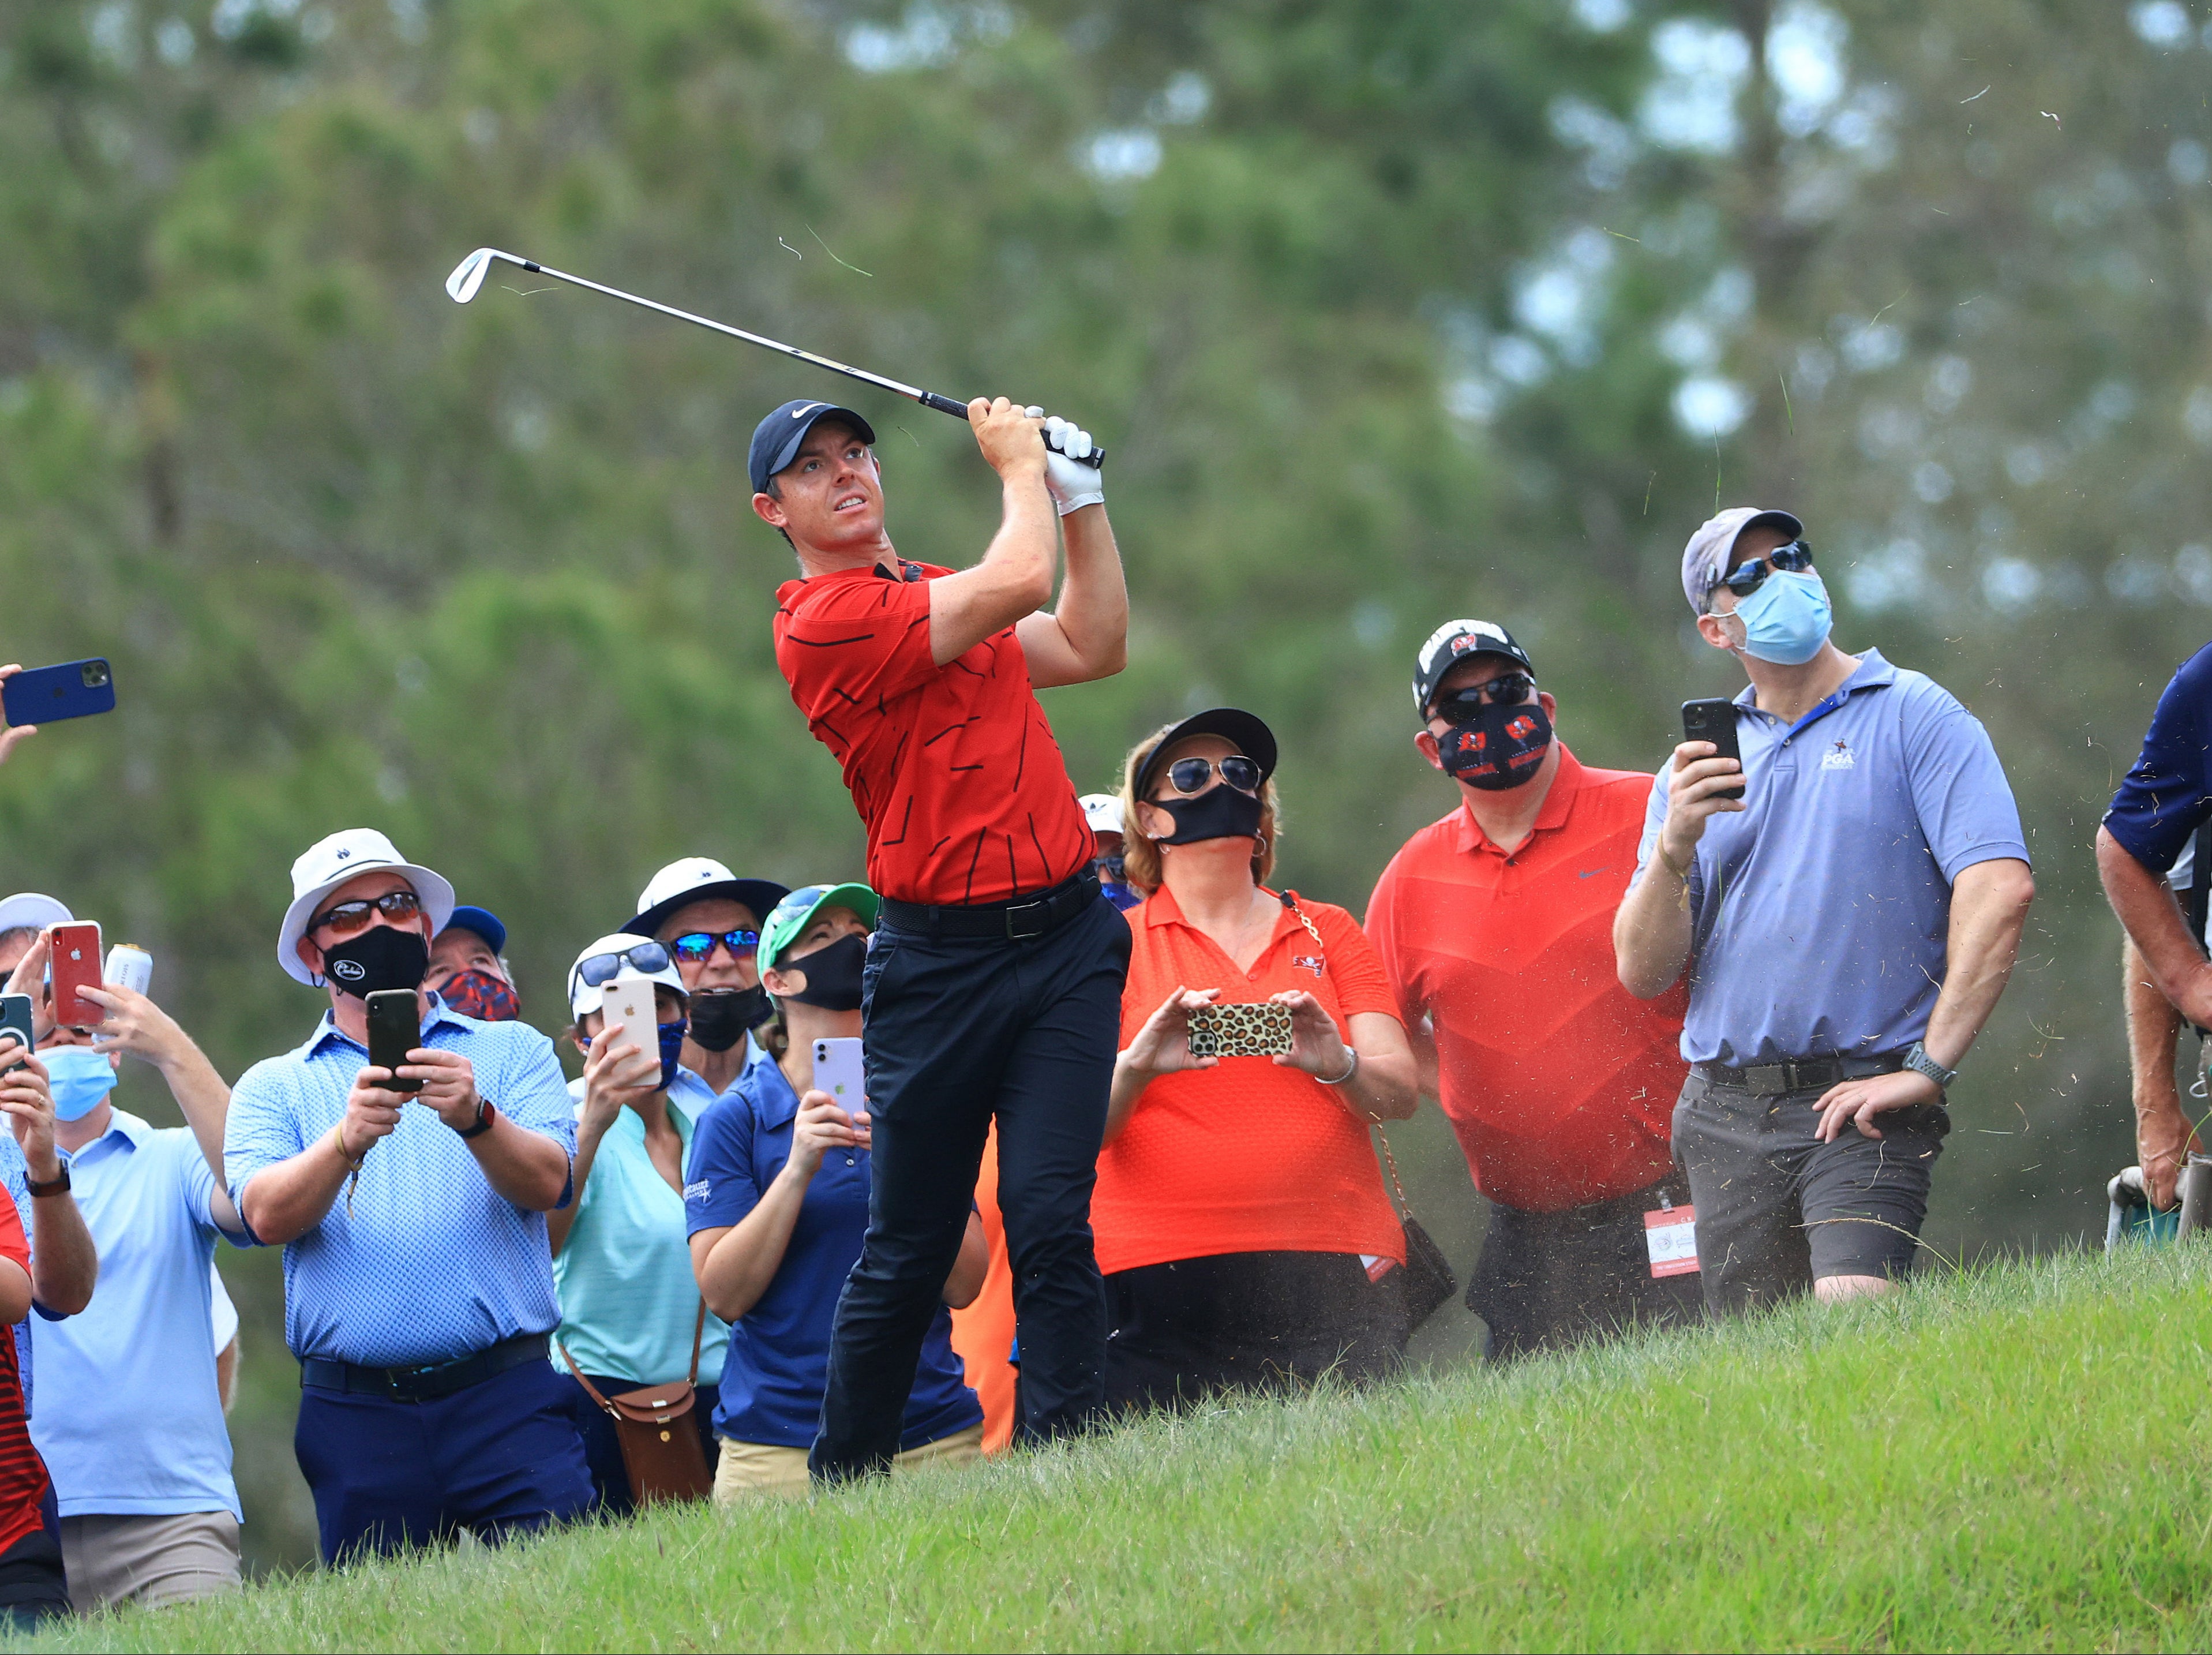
{"x":833,"y":975}
{"x":483,"y":996}
{"x":671,"y":1049}
{"x":1787,"y":619}
{"x":1219,"y":812}
{"x":79,"y":1078}
{"x":380,"y":957}
{"x":1504,"y":748}
{"x":718,"y":1021}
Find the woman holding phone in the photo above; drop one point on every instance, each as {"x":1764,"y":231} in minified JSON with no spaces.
{"x":1242,"y":1223}
{"x":777,"y":1201}
{"x":630,"y":1314}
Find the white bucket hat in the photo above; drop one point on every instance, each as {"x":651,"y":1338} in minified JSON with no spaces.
{"x":1103,"y":811}
{"x":584,"y":997}
{"x":29,"y":910}
{"x":694,"y":879}
{"x":329,"y":863}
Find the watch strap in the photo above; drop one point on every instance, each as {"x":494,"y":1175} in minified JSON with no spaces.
{"x":1920,"y":1062}
{"x":58,"y":1186}
{"x":485,"y":1116}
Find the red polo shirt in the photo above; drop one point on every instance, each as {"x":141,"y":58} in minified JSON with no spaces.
{"x":1561,"y":1084}
{"x":954,"y":769}
{"x":23,"y":1477}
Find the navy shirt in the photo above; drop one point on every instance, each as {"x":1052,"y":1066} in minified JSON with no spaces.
{"x":2168,"y":793}
{"x":779,"y":1356}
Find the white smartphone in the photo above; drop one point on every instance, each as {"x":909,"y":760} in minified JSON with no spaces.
{"x":628,"y":1000}
{"x":838,"y":1071}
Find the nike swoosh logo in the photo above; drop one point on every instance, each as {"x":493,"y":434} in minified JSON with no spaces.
{"x":1589,"y":872}
{"x":801,"y":413}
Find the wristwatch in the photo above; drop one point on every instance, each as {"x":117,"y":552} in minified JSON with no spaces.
{"x":54,"y":1186}
{"x":1920,"y":1062}
{"x":485,"y":1116}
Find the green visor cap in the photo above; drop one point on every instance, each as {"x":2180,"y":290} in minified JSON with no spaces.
{"x":796,"y":912}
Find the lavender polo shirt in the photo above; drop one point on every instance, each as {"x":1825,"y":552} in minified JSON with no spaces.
{"x":1820,"y":913}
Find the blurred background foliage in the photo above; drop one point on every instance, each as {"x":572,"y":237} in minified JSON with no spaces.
{"x":1388,"y":313}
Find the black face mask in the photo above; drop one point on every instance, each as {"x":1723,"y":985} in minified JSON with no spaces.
{"x":718,"y":1021}
{"x":1502,"y":748}
{"x":1219,"y":812}
{"x":833,"y":975}
{"x":380,"y":957}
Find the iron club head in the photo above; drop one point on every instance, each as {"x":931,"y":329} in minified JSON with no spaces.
{"x":468,"y":276}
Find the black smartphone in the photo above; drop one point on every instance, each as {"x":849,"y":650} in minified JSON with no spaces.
{"x":395,"y":1028}
{"x":15,"y":1019}
{"x":1713,"y":719}
{"x":76,"y":689}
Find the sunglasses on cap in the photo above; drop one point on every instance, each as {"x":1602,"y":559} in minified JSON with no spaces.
{"x":1795,"y":557}
{"x":1464,"y":705}
{"x":599,"y":969}
{"x":347,"y":917}
{"x":1189,"y":776}
{"x":696,"y":947}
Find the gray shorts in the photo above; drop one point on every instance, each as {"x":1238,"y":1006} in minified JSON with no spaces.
{"x":149,"y":1560}
{"x":1778,"y":1210}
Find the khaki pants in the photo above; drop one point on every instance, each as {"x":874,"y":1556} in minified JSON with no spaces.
{"x":760,"y":1468}
{"x":149,"y":1560}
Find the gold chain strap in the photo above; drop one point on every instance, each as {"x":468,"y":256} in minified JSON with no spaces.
{"x":1290,"y":902}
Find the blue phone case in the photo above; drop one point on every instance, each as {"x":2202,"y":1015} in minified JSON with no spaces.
{"x":76,"y":689}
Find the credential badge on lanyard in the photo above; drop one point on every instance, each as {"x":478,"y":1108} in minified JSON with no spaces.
{"x":1670,"y":1236}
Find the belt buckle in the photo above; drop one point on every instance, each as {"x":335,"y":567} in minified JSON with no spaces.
{"x":1043,"y":912}
{"x":403,"y":1385}
{"x":1767,"y":1080}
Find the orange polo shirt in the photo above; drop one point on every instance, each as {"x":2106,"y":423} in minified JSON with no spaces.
{"x":1250,"y":1156}
{"x":1561,"y":1084}
{"x":983,"y":1333}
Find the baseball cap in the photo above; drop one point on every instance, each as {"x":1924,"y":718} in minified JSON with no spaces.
{"x":694,"y":880}
{"x":1452,"y":643}
{"x":484,"y":922}
{"x":1103,"y":811}
{"x":589,"y":997}
{"x":796,"y":912}
{"x":777,"y":439}
{"x":29,"y":910}
{"x":1706,"y":559}
{"x":329,"y":863}
{"x":1251,"y":734}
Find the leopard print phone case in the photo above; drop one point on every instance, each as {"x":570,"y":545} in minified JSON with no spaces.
{"x":1247,"y":1030}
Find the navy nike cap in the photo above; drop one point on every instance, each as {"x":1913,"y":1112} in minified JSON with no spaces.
{"x":777,"y":439}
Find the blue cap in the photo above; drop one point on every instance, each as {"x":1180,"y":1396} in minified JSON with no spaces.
{"x":484,"y":922}
{"x":777,"y":439}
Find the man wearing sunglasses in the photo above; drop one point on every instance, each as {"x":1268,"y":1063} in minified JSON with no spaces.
{"x":1494,"y":927}
{"x":1848,"y":923}
{"x":418,"y":1279}
{"x":709,"y":919}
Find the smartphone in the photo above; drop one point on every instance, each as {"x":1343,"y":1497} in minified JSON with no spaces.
{"x":1713,"y":719}
{"x":395,"y":1028}
{"x":838,"y":1071}
{"x":76,"y":689}
{"x":75,"y":964}
{"x":628,"y":1000}
{"x":1247,"y":1028}
{"x":15,"y":1019}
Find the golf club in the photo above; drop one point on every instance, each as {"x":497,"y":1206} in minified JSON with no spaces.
{"x":468,"y":276}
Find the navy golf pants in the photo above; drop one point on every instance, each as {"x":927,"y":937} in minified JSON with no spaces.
{"x":961,"y":1032}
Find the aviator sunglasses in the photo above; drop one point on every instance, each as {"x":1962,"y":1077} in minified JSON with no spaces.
{"x":694,"y":947}
{"x":1190,"y":775}
{"x":1796,"y":557}
{"x":347,"y":917}
{"x":1465,"y":705}
{"x":600,"y":969}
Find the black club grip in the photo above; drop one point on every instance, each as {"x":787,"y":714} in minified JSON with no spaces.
{"x":1095,"y":459}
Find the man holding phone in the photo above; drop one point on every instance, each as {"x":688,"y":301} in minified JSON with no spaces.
{"x":1848,"y":923}
{"x":993,"y":984}
{"x":420,"y":1304}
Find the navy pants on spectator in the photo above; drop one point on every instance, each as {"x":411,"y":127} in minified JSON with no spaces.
{"x":498,"y":1457}
{"x":602,"y":1442}
{"x":961,"y":1030}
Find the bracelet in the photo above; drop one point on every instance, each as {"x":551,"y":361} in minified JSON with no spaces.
{"x":1660,"y":851}
{"x":1351,"y":1070}
{"x":337,"y":1142}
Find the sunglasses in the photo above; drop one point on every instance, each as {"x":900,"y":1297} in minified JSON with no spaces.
{"x":597,"y":969}
{"x":1795,"y":557}
{"x":1189,"y":776}
{"x":347,"y":917}
{"x":1464,"y":705}
{"x":696,"y":947}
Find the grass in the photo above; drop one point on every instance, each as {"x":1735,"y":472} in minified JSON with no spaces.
{"x":2011,"y":1457}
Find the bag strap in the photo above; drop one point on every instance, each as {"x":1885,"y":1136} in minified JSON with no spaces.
{"x":698,"y":1333}
{"x":591,"y":1390}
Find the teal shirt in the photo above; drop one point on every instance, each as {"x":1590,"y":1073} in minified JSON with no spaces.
{"x":628,"y":1299}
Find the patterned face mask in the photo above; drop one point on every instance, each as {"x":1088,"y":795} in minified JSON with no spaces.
{"x":480,"y":994}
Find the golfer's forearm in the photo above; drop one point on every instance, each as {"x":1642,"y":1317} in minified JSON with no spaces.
{"x":1652,"y":934}
{"x":1093,"y":611}
{"x":1989,"y":912}
{"x":2151,"y":917}
{"x":65,"y":1264}
{"x":2153,"y":1027}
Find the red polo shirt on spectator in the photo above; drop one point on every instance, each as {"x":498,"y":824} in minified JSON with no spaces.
{"x":1561,"y":1084}
{"x":23,"y":1480}
{"x":953,"y":769}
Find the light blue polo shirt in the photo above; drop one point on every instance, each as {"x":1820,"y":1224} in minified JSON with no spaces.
{"x":1820,"y":912}
{"x":144,"y":1433}
{"x":628,"y":1302}
{"x":424,"y":1261}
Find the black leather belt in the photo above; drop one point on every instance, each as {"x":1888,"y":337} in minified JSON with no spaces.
{"x":422,"y":1384}
{"x":1015,"y":920}
{"x":1801,"y":1074}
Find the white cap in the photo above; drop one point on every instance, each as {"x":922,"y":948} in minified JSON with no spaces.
{"x":587,"y":997}
{"x":1103,"y":811}
{"x":28,"y":909}
{"x":694,"y":880}
{"x":329,"y":863}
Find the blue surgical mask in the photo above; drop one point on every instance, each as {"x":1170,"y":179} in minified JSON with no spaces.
{"x":1787,"y":619}
{"x":79,"y":1078}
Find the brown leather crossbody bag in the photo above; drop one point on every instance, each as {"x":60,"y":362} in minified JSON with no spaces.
{"x":661,"y":1447}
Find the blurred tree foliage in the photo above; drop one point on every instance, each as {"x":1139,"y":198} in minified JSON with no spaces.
{"x":1388,"y":312}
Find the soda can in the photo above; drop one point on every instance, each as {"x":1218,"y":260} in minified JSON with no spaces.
{"x":129,"y":968}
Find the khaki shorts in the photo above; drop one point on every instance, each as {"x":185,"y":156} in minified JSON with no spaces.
{"x":149,"y":1560}
{"x":760,"y":1468}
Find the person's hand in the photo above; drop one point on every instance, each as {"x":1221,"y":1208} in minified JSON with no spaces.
{"x":1696,"y":775}
{"x":1163,"y":1045}
{"x":1010,"y":440}
{"x":820,"y":1126}
{"x":1316,"y":1047}
{"x":29,"y":1106}
{"x":370,"y":1112}
{"x":1073,"y":484}
{"x":1857,"y":1102}
{"x":2164,"y":1139}
{"x":449,"y":1086}
{"x":14,"y":733}
{"x":133,"y":1023}
{"x":615,"y":1072}
{"x":29,"y":977}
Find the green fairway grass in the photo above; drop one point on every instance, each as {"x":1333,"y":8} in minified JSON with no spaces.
{"x":2014,"y":1458}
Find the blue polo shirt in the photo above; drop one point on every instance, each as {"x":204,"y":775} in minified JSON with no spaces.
{"x":778,"y":1364}
{"x":2167,"y":792}
{"x":423,"y":1261}
{"x":1820,"y":913}
{"x":144,"y":1434}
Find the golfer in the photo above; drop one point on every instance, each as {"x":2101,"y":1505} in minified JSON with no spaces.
{"x":992,"y":987}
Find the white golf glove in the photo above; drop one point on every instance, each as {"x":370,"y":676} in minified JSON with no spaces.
{"x":1072,"y":484}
